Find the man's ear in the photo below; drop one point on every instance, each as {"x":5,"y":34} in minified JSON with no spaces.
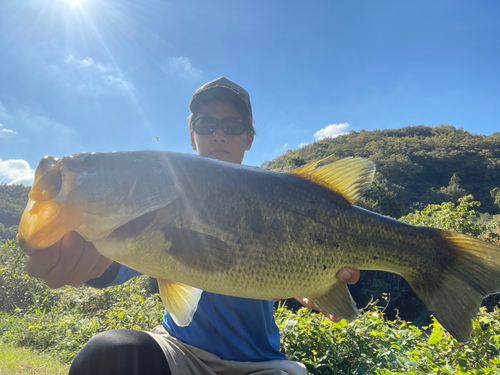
{"x":193,"y":143}
{"x":249,"y":140}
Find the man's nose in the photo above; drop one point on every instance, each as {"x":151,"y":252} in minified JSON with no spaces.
{"x":219,"y":136}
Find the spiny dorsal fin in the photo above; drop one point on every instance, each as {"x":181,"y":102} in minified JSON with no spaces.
{"x":349,"y":177}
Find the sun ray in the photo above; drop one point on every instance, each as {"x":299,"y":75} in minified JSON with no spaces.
{"x":94,"y":28}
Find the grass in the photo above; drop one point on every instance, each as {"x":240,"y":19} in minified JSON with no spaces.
{"x":22,"y":361}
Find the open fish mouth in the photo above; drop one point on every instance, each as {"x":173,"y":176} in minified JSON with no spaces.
{"x":47,"y":217}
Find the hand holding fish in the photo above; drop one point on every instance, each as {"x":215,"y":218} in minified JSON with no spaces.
{"x":347,"y":275}
{"x":70,"y":261}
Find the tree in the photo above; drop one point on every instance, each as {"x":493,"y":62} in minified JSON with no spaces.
{"x":495,"y":194}
{"x":450,"y":193}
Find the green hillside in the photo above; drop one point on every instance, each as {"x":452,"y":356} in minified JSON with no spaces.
{"x":13,"y":199}
{"x":417,"y":165}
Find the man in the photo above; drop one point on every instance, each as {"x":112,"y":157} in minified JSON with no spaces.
{"x":228,"y":335}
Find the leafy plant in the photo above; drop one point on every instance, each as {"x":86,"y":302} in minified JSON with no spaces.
{"x":374,"y":345}
{"x":455,"y":218}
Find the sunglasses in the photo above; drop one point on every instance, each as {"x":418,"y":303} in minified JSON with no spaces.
{"x":230,"y":125}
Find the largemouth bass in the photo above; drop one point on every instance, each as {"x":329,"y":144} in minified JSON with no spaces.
{"x":198,"y":224}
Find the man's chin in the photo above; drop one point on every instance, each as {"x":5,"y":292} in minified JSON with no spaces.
{"x":224,"y":156}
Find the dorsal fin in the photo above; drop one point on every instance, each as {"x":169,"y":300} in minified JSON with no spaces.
{"x":349,"y":177}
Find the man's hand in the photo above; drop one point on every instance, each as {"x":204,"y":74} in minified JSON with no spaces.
{"x":70,"y":261}
{"x":348,"y":275}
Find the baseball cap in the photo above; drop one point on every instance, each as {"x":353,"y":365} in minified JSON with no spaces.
{"x":225,"y":90}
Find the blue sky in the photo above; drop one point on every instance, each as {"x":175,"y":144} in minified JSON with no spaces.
{"x":105,"y":75}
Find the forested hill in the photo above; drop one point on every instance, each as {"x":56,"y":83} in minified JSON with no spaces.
{"x":416,"y":165}
{"x":13,"y":199}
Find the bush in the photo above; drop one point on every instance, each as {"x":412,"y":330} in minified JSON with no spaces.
{"x":374,"y":345}
{"x":18,"y":291}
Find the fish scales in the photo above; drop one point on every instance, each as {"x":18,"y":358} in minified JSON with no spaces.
{"x":198,"y":224}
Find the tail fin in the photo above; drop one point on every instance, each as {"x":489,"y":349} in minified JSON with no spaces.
{"x":470,"y":272}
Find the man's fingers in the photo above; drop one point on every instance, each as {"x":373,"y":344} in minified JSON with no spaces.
{"x":72,"y":249}
{"x":90,"y":265}
{"x":40,"y":263}
{"x":309,"y":304}
{"x":348,"y":275}
{"x":71,"y":261}
{"x":99,"y":268}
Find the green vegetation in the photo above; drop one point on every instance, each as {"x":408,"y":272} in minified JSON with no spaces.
{"x":459,"y":218}
{"x":13,"y":199}
{"x":375,"y":345}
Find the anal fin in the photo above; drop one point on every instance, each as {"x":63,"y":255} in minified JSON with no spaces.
{"x":180,"y":300}
{"x":337,"y":301}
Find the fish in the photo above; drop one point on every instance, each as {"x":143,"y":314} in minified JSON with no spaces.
{"x":198,"y":224}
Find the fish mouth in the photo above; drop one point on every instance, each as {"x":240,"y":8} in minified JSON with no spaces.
{"x":44,"y":223}
{"x":47,"y":217}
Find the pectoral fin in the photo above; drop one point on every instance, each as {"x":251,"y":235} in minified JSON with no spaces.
{"x":180,"y":300}
{"x":198,"y":250}
{"x":337,"y":301}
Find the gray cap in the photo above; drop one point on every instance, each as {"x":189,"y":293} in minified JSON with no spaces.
{"x":222,"y":89}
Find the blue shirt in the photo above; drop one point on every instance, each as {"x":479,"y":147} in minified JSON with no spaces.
{"x":232,"y":328}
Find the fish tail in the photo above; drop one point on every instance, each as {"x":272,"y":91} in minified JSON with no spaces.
{"x":468,"y":269}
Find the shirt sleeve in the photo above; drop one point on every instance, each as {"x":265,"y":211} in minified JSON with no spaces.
{"x":114,"y":275}
{"x":124,"y":274}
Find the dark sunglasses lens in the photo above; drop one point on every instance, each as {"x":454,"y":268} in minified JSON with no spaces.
{"x":204,"y":125}
{"x":233,"y":126}
{"x":208,"y":125}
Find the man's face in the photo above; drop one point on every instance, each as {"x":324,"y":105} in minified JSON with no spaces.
{"x":219,"y":145}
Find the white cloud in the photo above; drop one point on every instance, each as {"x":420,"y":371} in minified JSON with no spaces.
{"x":88,"y":77}
{"x":119,"y":83}
{"x":331,"y":131}
{"x":4,"y":130}
{"x":85,"y":63}
{"x":180,"y":67}
{"x":302,"y":144}
{"x":15,"y":172}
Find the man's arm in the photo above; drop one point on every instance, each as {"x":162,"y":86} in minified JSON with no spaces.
{"x":116,"y":274}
